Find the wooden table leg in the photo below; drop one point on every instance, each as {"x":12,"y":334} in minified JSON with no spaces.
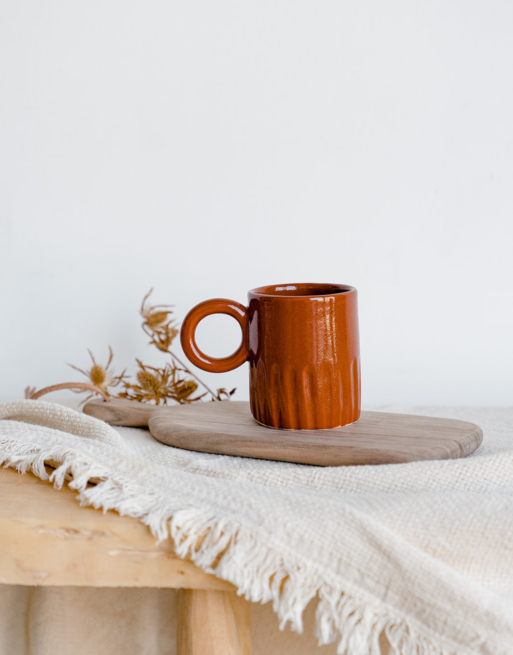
{"x":212,"y":623}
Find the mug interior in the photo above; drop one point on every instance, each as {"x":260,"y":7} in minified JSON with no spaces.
{"x":303,"y":289}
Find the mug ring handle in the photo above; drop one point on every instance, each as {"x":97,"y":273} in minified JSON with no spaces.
{"x":188,"y":335}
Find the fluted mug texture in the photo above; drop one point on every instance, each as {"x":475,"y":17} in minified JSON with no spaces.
{"x":302,"y":344}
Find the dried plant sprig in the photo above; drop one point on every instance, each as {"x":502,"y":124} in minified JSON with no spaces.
{"x":224,"y":394}
{"x":153,"y":385}
{"x":160,"y":385}
{"x":188,"y":370}
{"x":157,"y":323}
{"x":32,"y":394}
{"x":29,"y":392}
{"x":162,"y":331}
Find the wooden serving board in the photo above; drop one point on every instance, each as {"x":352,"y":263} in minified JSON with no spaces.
{"x":227,"y":428}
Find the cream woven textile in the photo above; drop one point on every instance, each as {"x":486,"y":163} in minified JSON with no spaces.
{"x":422,"y":552}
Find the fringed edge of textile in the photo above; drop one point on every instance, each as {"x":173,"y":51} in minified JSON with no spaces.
{"x":259,"y":572}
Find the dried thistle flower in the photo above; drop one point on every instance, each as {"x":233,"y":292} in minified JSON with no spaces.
{"x":101,"y":377}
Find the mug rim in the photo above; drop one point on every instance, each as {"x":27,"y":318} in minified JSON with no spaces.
{"x":280,"y":290}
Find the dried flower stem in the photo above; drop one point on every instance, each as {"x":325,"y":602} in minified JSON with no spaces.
{"x":69,"y":385}
{"x":188,"y":370}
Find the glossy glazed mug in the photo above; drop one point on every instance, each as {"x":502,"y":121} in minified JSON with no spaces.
{"x":302,"y":344}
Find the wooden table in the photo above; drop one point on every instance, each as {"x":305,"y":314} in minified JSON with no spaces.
{"x":46,"y":538}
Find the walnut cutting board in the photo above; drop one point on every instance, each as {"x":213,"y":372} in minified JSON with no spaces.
{"x":227,"y":428}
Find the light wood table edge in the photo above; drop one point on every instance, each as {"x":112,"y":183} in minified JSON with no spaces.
{"x":47,"y":539}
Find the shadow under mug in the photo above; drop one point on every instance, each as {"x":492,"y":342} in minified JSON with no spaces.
{"x":302,"y":344}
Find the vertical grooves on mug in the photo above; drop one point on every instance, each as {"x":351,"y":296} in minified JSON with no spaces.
{"x":353,"y":385}
{"x":339,"y":397}
{"x":358,"y":386}
{"x":275,"y":396}
{"x":262,"y":403}
{"x":307,"y":399}
{"x":326,"y":404}
{"x":349,"y":394}
{"x":355,"y":388}
{"x":335,"y":406}
{"x":290,"y":399}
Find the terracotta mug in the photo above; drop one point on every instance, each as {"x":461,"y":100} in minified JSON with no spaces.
{"x":301,"y":341}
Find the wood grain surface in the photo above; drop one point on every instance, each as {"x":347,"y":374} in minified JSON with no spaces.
{"x":227,"y":428}
{"x":46,"y":538}
{"x":211,"y":622}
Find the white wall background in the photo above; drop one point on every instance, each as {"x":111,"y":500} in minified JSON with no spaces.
{"x":207,"y":147}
